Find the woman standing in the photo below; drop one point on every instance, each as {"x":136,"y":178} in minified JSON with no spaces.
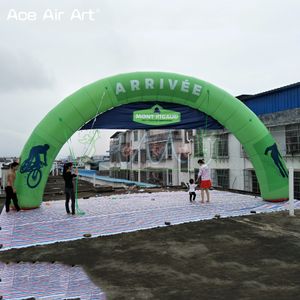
{"x":205,"y":183}
{"x":69,"y":187}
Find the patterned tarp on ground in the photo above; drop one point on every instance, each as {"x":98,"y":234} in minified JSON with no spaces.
{"x":46,"y":281}
{"x":103,"y":216}
{"x":121,"y":213}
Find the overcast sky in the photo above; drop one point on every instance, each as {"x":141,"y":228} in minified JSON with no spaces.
{"x":244,"y":47}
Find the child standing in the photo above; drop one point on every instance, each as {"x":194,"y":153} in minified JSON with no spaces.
{"x":192,"y":190}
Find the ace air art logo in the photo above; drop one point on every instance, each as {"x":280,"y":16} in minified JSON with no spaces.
{"x":156,"y":115}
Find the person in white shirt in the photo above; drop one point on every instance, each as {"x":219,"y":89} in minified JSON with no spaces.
{"x":192,"y":189}
{"x":205,"y":182}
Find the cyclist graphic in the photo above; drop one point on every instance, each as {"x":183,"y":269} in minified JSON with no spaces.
{"x":276,"y":158}
{"x":33,"y":164}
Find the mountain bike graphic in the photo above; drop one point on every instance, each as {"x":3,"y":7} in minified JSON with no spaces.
{"x":276,"y":156}
{"x":33,"y":164}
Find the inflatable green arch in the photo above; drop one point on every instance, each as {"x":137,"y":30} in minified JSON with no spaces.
{"x":73,"y":112}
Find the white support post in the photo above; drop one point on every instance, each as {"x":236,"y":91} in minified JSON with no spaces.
{"x":139,"y":160}
{"x":291,"y":192}
{"x":56,"y":170}
{"x":94,"y":180}
{"x":167,"y":174}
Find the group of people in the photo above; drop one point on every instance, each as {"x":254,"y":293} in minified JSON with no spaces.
{"x":68,"y":175}
{"x":11,"y":193}
{"x":204,"y":183}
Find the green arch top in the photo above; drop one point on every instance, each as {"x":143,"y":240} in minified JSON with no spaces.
{"x":67,"y":117}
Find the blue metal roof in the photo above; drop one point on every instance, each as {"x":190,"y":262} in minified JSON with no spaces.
{"x":284,"y":98}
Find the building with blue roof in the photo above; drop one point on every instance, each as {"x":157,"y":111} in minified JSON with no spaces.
{"x":169,"y":157}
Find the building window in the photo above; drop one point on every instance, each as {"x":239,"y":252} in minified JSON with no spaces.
{"x":169,"y":150}
{"x":176,"y":135}
{"x":124,"y":174}
{"x":143,"y":176}
{"x":157,"y":151}
{"x":250,"y":182}
{"x":170,"y":177}
{"x":188,"y":135}
{"x":122,"y":138}
{"x":198,"y":143}
{"x":184,"y":162}
{"x":113,"y":157}
{"x":297,"y":185}
{"x":135,"y":156}
{"x":221,"y":178}
{"x":292,"y":136}
{"x":155,"y":177}
{"x":247,"y":180}
{"x":143,"y":156}
{"x":135,"y":135}
{"x":220,"y":149}
{"x":125,"y":153}
{"x":135,"y":176}
{"x":255,"y":184}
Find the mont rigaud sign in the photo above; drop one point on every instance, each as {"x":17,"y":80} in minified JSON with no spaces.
{"x":156,"y":115}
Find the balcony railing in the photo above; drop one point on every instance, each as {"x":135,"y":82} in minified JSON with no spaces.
{"x":163,"y":137}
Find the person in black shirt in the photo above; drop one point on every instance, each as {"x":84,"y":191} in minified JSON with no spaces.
{"x":69,"y":187}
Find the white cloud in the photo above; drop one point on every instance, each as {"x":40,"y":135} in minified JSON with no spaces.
{"x":21,"y":71}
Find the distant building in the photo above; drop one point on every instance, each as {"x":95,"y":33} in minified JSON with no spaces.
{"x":146,"y":155}
{"x":4,"y":166}
{"x":100,"y":163}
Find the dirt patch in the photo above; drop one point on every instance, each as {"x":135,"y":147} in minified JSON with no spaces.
{"x":253,"y":257}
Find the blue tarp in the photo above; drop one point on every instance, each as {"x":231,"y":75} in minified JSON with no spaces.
{"x":273,"y":101}
{"x":281,"y":99}
{"x":92,"y":174}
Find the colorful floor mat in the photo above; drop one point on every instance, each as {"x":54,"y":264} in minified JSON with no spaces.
{"x":121,"y":213}
{"x":46,"y":281}
{"x":103,"y":216}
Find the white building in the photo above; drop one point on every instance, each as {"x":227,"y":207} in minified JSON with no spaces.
{"x":169,"y":157}
{"x":4,"y":166}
